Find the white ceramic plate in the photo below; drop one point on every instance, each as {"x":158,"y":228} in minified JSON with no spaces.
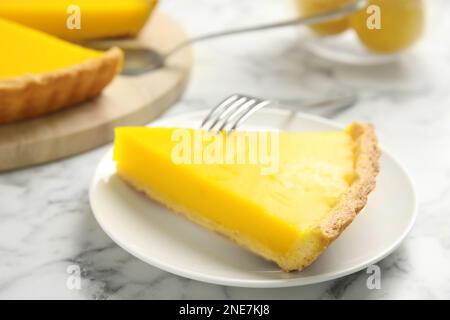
{"x":170,"y":242}
{"x":347,"y":49}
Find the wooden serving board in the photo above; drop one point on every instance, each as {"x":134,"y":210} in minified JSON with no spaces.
{"x":128,"y":100}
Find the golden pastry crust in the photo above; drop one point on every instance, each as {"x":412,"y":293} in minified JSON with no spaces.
{"x":33,"y":95}
{"x":350,"y":203}
{"x":366,"y":169}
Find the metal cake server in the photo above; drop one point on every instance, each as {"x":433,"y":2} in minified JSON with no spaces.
{"x":139,"y":59}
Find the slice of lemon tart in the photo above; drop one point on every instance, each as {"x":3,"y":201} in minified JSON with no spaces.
{"x":41,"y":74}
{"x":283,"y":195}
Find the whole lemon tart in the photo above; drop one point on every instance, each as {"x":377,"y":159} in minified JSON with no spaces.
{"x":40,"y":73}
{"x":97,"y":19}
{"x":286,"y":199}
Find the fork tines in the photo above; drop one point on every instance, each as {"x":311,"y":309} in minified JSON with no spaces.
{"x":231,"y":112}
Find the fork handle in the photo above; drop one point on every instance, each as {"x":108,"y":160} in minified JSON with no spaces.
{"x":340,"y":12}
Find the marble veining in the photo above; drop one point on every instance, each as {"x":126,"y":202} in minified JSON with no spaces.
{"x":46,"y":224}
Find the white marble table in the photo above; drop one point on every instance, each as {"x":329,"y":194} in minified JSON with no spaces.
{"x":46,"y":224}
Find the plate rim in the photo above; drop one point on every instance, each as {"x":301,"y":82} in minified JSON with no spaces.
{"x":317,"y":46}
{"x":263,"y":283}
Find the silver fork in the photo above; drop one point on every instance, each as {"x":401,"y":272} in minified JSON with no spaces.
{"x":237,"y":108}
{"x":231,"y":112}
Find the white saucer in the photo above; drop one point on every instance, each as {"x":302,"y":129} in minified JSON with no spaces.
{"x":345,"y":48}
{"x":170,"y":242}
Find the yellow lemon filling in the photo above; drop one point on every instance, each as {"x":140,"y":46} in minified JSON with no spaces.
{"x":26,"y":51}
{"x":268,"y":211}
{"x":81,"y":19}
